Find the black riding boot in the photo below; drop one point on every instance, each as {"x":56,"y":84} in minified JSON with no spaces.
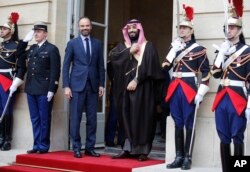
{"x":8,"y":132}
{"x":238,"y":149}
{"x":225,"y":153}
{"x":2,"y":135}
{"x":188,"y":156}
{"x":179,"y":147}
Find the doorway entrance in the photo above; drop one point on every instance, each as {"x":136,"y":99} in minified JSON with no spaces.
{"x":109,"y":17}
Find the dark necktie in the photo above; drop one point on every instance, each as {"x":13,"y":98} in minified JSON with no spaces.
{"x":87,"y":49}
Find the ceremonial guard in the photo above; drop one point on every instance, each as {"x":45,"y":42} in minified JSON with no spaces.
{"x":187,"y":58}
{"x":43,"y":72}
{"x":10,"y":66}
{"x":232,"y":102}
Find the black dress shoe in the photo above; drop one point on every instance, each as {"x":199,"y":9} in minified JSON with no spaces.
{"x":42,"y":151}
{"x":31,"y":151}
{"x":6,"y":146}
{"x":142,"y":157}
{"x":77,"y":154}
{"x":121,"y":155}
{"x":92,"y":153}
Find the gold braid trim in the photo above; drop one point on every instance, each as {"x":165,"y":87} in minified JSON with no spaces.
{"x":198,"y":55}
{"x":243,"y":61}
{"x":215,"y":71}
{"x":235,"y":73}
{"x":7,"y":60}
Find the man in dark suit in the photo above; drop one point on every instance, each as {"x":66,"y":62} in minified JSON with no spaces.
{"x":83,"y":84}
{"x":43,"y":72}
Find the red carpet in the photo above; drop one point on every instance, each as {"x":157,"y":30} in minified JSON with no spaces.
{"x":65,"y":160}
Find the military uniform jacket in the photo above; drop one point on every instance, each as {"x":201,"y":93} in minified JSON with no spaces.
{"x":193,"y":62}
{"x":238,"y":70}
{"x":43,"y":69}
{"x":10,"y":64}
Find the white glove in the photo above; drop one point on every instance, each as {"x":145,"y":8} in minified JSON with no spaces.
{"x":15,"y":84}
{"x":178,"y":44}
{"x":203,"y":89}
{"x":247,"y":114}
{"x":247,"y":111}
{"x":50,"y":96}
{"x":29,"y":36}
{"x":226,"y":48}
{"x":198,"y":99}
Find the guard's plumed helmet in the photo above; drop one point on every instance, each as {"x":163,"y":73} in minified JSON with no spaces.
{"x":235,"y":12}
{"x":188,"y":16}
{"x":11,"y":22}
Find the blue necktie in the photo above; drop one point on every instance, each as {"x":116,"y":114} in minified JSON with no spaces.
{"x":87,"y":49}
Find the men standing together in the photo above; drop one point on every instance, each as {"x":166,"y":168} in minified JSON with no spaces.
{"x":137,"y":77}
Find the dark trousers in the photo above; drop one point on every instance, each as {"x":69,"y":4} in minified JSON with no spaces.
{"x":6,"y":124}
{"x":40,"y":115}
{"x":228,"y":124}
{"x":181,"y":111}
{"x":88,"y":99}
{"x":112,"y":126}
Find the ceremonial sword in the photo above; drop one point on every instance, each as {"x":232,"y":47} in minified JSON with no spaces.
{"x":5,"y":108}
{"x":192,"y":136}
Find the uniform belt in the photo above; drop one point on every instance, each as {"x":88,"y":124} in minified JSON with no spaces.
{"x":229,"y":82}
{"x":5,"y":70}
{"x":183,"y":74}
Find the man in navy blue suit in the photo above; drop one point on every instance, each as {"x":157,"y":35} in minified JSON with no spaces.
{"x":83,"y":84}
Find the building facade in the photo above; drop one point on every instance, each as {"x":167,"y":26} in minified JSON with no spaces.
{"x":159,"y":20}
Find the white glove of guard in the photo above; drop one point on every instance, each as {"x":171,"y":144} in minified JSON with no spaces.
{"x":178,"y":45}
{"x":203,"y":89}
{"x":247,"y":111}
{"x":29,"y":36}
{"x":15,"y":84}
{"x":50,"y":96}
{"x":226,"y":48}
{"x":198,"y":99}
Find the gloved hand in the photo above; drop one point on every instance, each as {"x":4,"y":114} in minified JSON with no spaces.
{"x":177,"y":45}
{"x":15,"y":84}
{"x":203,"y":89}
{"x":231,"y":50}
{"x":247,"y":114}
{"x":29,"y":36}
{"x":247,"y":111}
{"x":198,"y":99}
{"x":224,"y":49}
{"x":50,"y":96}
